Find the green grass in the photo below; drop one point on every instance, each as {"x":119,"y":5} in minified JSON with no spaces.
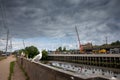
{"x":1,"y":58}
{"x":12,"y":64}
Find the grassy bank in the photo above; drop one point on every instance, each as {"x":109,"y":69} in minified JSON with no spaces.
{"x":1,"y":58}
{"x":12,"y":64}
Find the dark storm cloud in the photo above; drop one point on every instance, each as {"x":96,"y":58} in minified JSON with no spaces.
{"x":95,"y":19}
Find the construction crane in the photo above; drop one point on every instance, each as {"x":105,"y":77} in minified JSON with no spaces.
{"x":80,"y":46}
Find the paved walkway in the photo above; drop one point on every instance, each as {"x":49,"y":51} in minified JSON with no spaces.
{"x":4,"y":67}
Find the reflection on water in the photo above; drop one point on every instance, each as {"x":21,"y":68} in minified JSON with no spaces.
{"x":86,"y":71}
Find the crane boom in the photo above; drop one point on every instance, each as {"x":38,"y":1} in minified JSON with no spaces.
{"x":80,"y":46}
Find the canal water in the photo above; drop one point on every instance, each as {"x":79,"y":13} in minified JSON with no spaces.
{"x":86,"y":70}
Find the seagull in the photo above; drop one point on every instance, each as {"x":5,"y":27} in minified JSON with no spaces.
{"x":37,"y":57}
{"x":113,"y":78}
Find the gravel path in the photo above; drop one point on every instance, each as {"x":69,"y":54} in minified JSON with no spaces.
{"x":4,"y":67}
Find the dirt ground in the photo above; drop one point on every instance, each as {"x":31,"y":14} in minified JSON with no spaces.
{"x":4,"y":69}
{"x":18,"y":74}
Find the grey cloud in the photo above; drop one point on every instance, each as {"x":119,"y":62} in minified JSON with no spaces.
{"x":57,"y":18}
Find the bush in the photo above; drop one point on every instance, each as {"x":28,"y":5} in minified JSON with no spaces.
{"x":44,"y":55}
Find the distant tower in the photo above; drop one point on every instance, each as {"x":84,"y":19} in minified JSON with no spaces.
{"x":11,"y":44}
{"x":7,"y":41}
{"x":23,"y":43}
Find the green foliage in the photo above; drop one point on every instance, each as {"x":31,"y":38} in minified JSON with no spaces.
{"x":11,"y":70}
{"x":2,"y":57}
{"x":31,"y":51}
{"x":44,"y":55}
{"x":1,"y":52}
{"x":15,"y":52}
{"x":20,"y":51}
{"x":115,"y":43}
{"x":64,"y":49}
{"x":61,"y":49}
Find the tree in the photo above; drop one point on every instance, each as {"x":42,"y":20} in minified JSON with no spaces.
{"x":44,"y":55}
{"x":115,"y":43}
{"x":31,"y":51}
{"x":21,"y":50}
{"x":64,"y":48}
{"x":60,"y":48}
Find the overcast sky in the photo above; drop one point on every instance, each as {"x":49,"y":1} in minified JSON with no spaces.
{"x":48,"y":24}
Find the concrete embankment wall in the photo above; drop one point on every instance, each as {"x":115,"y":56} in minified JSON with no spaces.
{"x":101,"y":60}
{"x":39,"y":71}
